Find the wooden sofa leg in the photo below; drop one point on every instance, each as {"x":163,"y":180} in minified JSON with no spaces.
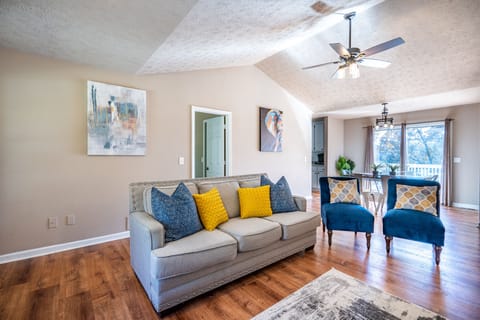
{"x":330,"y":232}
{"x":387,"y":243}
{"x":438,"y":251}
{"x":368,"y":236}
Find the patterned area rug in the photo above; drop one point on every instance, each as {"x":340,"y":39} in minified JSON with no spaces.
{"x":335,"y":295}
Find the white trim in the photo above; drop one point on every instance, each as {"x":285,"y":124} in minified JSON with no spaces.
{"x":26,"y":254}
{"x":228,"y":151}
{"x":465,"y":205}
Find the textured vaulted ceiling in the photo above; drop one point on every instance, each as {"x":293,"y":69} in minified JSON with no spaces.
{"x":438,"y":62}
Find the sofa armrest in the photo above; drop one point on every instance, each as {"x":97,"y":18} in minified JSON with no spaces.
{"x":301,"y":202}
{"x":146,"y":234}
{"x":148,"y":230}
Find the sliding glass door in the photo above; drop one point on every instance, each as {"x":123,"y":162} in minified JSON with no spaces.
{"x":423,"y":151}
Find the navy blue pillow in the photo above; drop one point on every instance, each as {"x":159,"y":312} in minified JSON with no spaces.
{"x":281,"y":198}
{"x":177,"y":212}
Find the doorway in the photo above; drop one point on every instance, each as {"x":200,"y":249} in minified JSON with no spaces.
{"x":211,"y":142}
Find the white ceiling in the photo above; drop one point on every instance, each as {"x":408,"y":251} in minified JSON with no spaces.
{"x":278,"y":36}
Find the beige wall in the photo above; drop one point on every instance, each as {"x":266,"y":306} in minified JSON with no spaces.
{"x":44,"y":168}
{"x":466,"y":145}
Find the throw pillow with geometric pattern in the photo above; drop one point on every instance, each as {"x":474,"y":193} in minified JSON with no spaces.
{"x":345,"y":191}
{"x":422,"y":198}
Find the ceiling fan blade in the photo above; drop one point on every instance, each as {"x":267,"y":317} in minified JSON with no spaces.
{"x":320,"y":65}
{"x":382,"y":47}
{"x":340,"y":49}
{"x":373,"y":63}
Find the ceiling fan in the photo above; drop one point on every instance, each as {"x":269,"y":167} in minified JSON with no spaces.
{"x":350,"y":58}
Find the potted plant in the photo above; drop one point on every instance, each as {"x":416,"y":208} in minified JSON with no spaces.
{"x":393,"y":169}
{"x":342,"y":166}
{"x":375,"y":168}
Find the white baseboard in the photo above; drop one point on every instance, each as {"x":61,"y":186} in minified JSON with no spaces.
{"x":465,"y":205}
{"x":26,"y":254}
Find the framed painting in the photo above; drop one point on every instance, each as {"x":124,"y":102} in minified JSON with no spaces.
{"x":116,"y":119}
{"x":271,"y":130}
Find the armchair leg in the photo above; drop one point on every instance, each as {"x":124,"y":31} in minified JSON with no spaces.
{"x":438,"y":251}
{"x":323,"y":226}
{"x":368,"y":236}
{"x":330,"y":232}
{"x":387,"y":243}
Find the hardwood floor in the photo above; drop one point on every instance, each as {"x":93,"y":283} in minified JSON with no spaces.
{"x":97,"y":282}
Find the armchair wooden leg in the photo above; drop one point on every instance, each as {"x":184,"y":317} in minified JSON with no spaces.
{"x":368,"y":236}
{"x":438,"y":251}
{"x":330,"y":232}
{"x":387,"y":243}
{"x":323,"y":226}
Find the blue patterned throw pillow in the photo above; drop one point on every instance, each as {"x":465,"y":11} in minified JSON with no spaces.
{"x":281,"y":198}
{"x":177,"y":212}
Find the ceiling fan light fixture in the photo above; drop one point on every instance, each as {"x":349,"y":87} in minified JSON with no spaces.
{"x":353,"y":70}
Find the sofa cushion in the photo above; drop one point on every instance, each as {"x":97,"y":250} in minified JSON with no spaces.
{"x":345,"y":191}
{"x":228,"y":192}
{"x":252,"y":233}
{"x":423,"y":198}
{"x":169,"y":189}
{"x":255,"y":202}
{"x":295,"y":223}
{"x":281,"y":198}
{"x":177,"y":213}
{"x":210,"y":209}
{"x":195,"y":252}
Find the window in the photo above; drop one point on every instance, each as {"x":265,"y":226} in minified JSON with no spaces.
{"x":386,"y":148}
{"x":424,"y":148}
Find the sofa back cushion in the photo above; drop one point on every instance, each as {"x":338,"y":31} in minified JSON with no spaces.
{"x":177,"y":212}
{"x":228,"y":192}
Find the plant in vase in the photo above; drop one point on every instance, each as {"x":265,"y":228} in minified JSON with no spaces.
{"x":375,"y":168}
{"x":344,"y":165}
{"x":393,"y":169}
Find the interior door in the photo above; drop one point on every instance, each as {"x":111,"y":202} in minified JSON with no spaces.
{"x":214,"y":147}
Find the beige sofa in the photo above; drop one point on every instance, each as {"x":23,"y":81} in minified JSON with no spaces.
{"x":173,"y":272}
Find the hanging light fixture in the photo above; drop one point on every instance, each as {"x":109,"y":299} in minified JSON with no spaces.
{"x":384,"y":121}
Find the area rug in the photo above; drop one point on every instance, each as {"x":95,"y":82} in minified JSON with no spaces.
{"x":335,"y":295}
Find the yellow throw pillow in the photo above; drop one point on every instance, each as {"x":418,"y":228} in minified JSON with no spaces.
{"x":255,"y":202}
{"x":210,"y":208}
{"x":422,"y":198}
{"x":343,"y":191}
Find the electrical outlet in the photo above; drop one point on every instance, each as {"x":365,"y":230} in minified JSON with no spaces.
{"x":52,"y":222}
{"x":70,"y":219}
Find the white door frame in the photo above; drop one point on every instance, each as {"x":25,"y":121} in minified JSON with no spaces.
{"x":228,"y":137}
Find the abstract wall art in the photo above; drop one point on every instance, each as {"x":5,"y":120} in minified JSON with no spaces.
{"x":271,"y":130}
{"x":116,"y":118}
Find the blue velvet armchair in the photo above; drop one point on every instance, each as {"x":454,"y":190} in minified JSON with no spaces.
{"x":344,"y":216}
{"x":413,"y":224}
